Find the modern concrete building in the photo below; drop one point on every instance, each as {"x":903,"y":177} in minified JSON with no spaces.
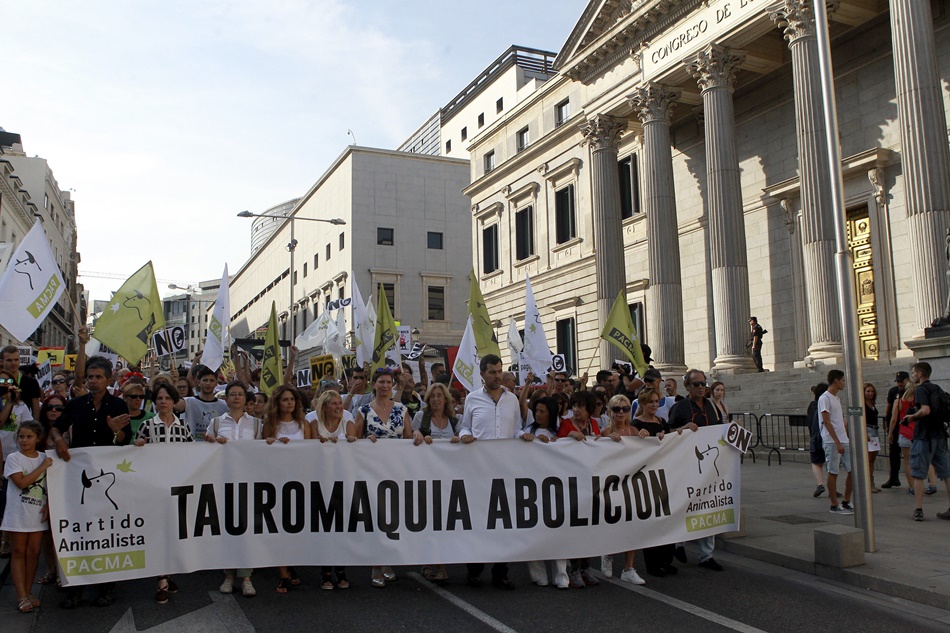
{"x":29,"y":191}
{"x":406,"y":227}
{"x":677,"y":156}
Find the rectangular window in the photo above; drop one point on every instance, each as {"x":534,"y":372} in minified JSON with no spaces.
{"x":434,"y":240}
{"x":499,"y":105}
{"x":328,"y":253}
{"x":489,"y":161}
{"x":524,"y":233}
{"x":490,"y":249}
{"x":566,"y":228}
{"x":567,"y":342}
{"x":341,"y":293}
{"x":522,"y":139}
{"x":384,"y":236}
{"x":436,"y":303}
{"x":562,"y":112}
{"x":448,"y":146}
{"x":636,"y":314}
{"x":316,"y":260}
{"x":629,"y":186}
{"x":464,"y":133}
{"x":305,"y":270}
{"x":342,"y":241}
{"x":481,"y":119}
{"x":390,"y":291}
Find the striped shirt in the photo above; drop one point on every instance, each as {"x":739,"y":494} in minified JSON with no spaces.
{"x":155,"y":431}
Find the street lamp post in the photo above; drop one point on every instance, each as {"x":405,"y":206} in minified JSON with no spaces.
{"x":291,"y":247}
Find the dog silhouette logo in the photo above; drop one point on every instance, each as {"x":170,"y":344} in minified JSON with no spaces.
{"x":137,"y":302}
{"x":22,"y":266}
{"x":702,"y":455}
{"x":98,"y":484}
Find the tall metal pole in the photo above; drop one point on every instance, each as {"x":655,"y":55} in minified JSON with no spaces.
{"x":844,"y":264}
{"x":290,"y":314}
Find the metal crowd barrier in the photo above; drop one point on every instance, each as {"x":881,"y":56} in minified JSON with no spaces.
{"x":748,"y":421}
{"x":782,"y":432}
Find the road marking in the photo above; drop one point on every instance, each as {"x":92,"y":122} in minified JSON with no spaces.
{"x":223,"y":615}
{"x":692,"y":609}
{"x":470,"y":609}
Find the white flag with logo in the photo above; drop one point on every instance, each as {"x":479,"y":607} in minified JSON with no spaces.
{"x":536,"y":349}
{"x":216,"y":339}
{"x":466,"y":368}
{"x":336,"y":335}
{"x":515,"y":344}
{"x":30,"y":286}
{"x":316,"y":333}
{"x":363,"y":328}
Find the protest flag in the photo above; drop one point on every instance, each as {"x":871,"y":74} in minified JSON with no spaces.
{"x":363,"y":337}
{"x":134,"y":312}
{"x":30,"y":286}
{"x":536,"y":352}
{"x":467,"y":360}
{"x":619,"y":331}
{"x":515,"y":344}
{"x":217,"y":335}
{"x":387,"y":336}
{"x":481,"y":323}
{"x":272,"y":367}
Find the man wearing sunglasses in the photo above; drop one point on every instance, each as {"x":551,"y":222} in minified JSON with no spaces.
{"x":29,"y":388}
{"x":692,"y":413}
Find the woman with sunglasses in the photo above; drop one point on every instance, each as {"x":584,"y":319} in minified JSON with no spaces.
{"x":134,"y":396}
{"x":381,"y":418}
{"x":50,"y":411}
{"x":59,"y":387}
{"x":13,"y":411}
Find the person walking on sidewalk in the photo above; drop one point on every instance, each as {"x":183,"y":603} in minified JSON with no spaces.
{"x":834,"y":437}
{"x":816,"y":451}
{"x":902,"y":382}
{"x":930,"y":438}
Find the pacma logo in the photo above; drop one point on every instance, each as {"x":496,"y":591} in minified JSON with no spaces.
{"x":98,"y":485}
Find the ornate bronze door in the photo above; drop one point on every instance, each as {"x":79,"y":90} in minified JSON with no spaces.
{"x":859,"y":241}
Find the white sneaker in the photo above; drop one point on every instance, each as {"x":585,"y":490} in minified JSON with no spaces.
{"x":227,"y":586}
{"x":607,"y":565}
{"x":631,"y":576}
{"x":563,"y":583}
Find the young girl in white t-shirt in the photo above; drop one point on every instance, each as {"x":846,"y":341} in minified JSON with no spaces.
{"x":27,"y":515}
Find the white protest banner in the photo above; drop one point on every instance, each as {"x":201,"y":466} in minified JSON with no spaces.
{"x":416,"y":351}
{"x":339,"y":304}
{"x":44,"y":375}
{"x":303,"y":377}
{"x":624,"y":364}
{"x":405,"y":338}
{"x":216,"y":338}
{"x":27,"y":355}
{"x":30,"y":286}
{"x":129,"y":512}
{"x":169,"y":341}
{"x":738,"y":436}
{"x":559,"y":363}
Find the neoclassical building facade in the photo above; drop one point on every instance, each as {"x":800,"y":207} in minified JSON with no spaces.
{"x":678,"y":156}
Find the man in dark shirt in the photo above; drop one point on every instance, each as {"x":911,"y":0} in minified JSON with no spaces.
{"x":930,"y":438}
{"x":97,"y":419}
{"x":755,"y":341}
{"x":893,"y":395}
{"x":692,"y":413}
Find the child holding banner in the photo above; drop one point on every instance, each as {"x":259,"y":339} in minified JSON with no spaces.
{"x":27,"y":514}
{"x":13,"y":411}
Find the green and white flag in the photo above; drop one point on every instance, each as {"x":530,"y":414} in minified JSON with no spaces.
{"x":133,"y":313}
{"x":272,"y":367}
{"x":363,"y":328}
{"x":216,"y":339}
{"x":30,"y":286}
{"x":466,"y":367}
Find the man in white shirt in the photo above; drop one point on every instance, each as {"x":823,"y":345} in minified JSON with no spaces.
{"x":834,"y":438}
{"x":491,"y":413}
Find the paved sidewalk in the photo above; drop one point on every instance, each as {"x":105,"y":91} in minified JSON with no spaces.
{"x":779,"y":516}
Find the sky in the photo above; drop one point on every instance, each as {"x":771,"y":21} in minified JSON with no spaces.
{"x":165,"y":119}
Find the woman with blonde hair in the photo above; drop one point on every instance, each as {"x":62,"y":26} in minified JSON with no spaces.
{"x":328,"y":420}
{"x":437,"y":420}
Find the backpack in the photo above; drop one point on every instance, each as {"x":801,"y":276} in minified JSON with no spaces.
{"x":426,"y":426}
{"x":940,"y":404}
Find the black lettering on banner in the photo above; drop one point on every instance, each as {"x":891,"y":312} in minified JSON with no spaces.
{"x":627,"y":501}
{"x":526,"y":503}
{"x":595,"y":500}
{"x":661,"y":492}
{"x":412,"y":524}
{"x":265,"y":498}
{"x":292,"y":514}
{"x":235,"y":528}
{"x":576,"y":520}
{"x":498,"y":507}
{"x":458,"y":507}
{"x":612,"y":514}
{"x":360,"y":511}
{"x":323,"y":514}
{"x":207,"y":515}
{"x":387,"y":514}
{"x":182,"y":493}
{"x":641,"y":495}
{"x":437,"y":505}
{"x":552,"y":504}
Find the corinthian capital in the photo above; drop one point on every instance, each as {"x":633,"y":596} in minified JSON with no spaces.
{"x":797,"y":17}
{"x":653,"y":102}
{"x":602,"y":131}
{"x":715,"y":66}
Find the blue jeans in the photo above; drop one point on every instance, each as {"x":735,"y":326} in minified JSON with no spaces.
{"x":706,"y":546}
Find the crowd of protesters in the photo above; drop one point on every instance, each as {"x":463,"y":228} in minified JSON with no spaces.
{"x":97,"y":406}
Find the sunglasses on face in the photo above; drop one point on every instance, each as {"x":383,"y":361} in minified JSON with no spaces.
{"x":620,"y":409}
{"x":56,"y":407}
{"x":7,"y":381}
{"x":59,"y":381}
{"x":134,"y":396}
{"x":560,"y":380}
{"x":699,"y":384}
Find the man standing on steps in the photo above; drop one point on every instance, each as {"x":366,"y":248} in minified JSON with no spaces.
{"x":834,"y":437}
{"x":893,"y":395}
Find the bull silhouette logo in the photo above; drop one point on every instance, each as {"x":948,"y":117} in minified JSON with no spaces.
{"x":702,"y":455}
{"x":23,"y":266}
{"x":98,"y":484}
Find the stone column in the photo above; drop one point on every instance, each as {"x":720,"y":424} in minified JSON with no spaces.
{"x":714,"y":69}
{"x":925,"y":157}
{"x":602,"y":133}
{"x":797,"y":18}
{"x":653,"y":104}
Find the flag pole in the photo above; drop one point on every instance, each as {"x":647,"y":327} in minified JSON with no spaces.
{"x":591,"y":363}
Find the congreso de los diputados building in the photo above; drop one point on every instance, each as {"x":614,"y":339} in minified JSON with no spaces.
{"x":678,"y":154}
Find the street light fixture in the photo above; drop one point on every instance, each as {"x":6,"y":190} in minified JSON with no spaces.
{"x":291,"y":247}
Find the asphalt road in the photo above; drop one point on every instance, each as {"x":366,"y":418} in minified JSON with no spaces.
{"x":748,"y":597}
